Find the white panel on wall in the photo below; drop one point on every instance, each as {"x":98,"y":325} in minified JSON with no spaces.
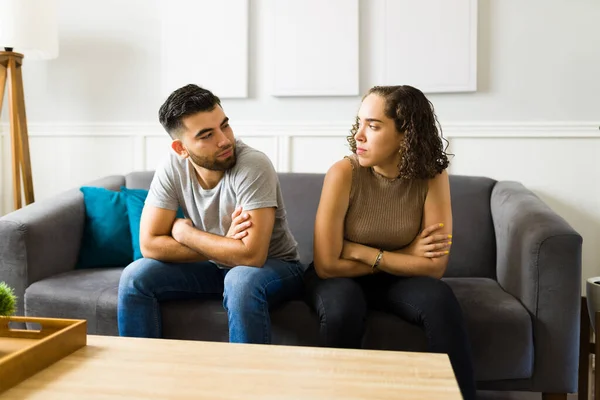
{"x":267,"y":145}
{"x":205,"y":42}
{"x":317,"y":154}
{"x":62,"y":163}
{"x":315,"y":48}
{"x":157,"y":148}
{"x":429,"y":44}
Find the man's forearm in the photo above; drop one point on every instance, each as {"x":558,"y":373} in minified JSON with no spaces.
{"x":167,"y":249}
{"x":222,"y":249}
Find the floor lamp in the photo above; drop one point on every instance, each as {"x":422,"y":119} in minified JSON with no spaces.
{"x":30,"y":28}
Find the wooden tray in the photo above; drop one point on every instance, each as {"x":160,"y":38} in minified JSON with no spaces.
{"x":24,"y":353}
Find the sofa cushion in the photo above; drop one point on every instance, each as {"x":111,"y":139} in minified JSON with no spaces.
{"x":106,"y":239}
{"x":301,"y":193}
{"x":135,"y":199}
{"x":139,"y":179}
{"x":473,"y":251}
{"x":499,"y":327}
{"x":474,"y":240}
{"x":79,"y":294}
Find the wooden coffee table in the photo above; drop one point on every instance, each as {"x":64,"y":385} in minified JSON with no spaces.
{"x":130,"y":368}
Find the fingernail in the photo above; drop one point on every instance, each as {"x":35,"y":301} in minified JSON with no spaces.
{"x":441,"y":225}
{"x":449,"y":242}
{"x":449,"y":236}
{"x":446,"y":252}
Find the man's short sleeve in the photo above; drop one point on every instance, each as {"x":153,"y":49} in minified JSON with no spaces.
{"x":256,"y":182}
{"x":162,"y":193}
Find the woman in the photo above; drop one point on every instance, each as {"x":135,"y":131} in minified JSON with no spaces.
{"x":383,"y":230}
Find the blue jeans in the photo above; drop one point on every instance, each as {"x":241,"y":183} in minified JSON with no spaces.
{"x":248,"y":294}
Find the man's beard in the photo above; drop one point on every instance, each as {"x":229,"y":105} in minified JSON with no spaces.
{"x":214,"y":164}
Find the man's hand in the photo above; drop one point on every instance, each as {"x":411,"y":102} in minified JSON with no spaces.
{"x":429,"y":244}
{"x":239,"y":224}
{"x":180,"y":226}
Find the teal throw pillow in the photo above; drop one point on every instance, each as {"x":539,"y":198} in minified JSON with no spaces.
{"x":135,"y":199}
{"x":106,"y":240}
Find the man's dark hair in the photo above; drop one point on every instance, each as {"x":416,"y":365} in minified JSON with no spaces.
{"x":185,"y":101}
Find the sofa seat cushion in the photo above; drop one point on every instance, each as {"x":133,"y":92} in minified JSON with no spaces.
{"x":79,"y":294}
{"x":499,"y":327}
{"x":92,"y":295}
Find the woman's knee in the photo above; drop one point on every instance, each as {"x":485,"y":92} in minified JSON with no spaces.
{"x":436,"y":298}
{"x":337,"y":300}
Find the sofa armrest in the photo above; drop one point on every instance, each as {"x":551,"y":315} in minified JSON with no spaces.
{"x":539,"y":263}
{"x":43,"y":238}
{"x":40,"y":240}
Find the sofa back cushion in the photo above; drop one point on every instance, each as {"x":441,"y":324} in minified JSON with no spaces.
{"x":139,"y":180}
{"x":301,"y":194}
{"x":473,"y":252}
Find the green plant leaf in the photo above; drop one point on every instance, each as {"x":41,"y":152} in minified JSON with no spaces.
{"x":8,"y":300}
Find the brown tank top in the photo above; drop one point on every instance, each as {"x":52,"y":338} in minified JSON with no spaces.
{"x":383,"y":213}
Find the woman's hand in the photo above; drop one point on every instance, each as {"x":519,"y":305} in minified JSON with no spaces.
{"x":429,"y":243}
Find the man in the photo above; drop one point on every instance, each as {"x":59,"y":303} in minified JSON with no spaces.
{"x":234,"y":241}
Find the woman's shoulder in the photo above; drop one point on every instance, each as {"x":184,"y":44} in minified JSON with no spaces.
{"x":439,"y":179}
{"x":439,"y":182}
{"x":339,"y":174}
{"x":341,"y":169}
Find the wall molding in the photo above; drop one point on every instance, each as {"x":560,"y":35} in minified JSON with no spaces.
{"x":283,"y":138}
{"x":479,"y":130}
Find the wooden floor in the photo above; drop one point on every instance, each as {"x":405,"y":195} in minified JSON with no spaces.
{"x":488,"y":395}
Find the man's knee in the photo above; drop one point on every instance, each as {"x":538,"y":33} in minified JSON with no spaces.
{"x":137,"y":275}
{"x":243,"y":283}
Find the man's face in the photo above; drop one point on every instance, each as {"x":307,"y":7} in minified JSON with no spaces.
{"x":208,"y":139}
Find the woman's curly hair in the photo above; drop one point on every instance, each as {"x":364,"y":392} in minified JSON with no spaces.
{"x":423,"y":153}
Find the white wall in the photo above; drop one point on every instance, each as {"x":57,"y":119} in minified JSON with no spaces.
{"x":534,"y":117}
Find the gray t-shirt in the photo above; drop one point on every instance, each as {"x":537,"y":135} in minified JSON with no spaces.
{"x":251,"y":183}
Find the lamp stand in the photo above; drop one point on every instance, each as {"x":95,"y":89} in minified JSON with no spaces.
{"x":10,"y":71}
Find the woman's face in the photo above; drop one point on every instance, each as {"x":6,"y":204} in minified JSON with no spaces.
{"x":377,"y":140}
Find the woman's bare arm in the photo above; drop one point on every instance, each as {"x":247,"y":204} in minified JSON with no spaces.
{"x":329,"y":225}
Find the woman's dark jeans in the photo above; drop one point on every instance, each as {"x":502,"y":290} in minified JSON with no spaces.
{"x":342,"y":303}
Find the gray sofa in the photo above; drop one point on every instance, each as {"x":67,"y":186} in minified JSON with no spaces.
{"x":515,"y":267}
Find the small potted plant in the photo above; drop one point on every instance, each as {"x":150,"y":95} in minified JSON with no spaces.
{"x":8,"y":300}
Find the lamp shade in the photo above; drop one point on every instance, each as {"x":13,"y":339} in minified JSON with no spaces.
{"x":29,"y":27}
